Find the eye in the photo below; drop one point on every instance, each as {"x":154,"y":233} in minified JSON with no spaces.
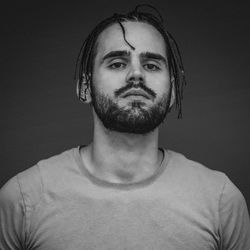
{"x":151,"y":67}
{"x":117,"y":65}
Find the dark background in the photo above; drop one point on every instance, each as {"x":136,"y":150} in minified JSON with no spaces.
{"x":41,"y":116}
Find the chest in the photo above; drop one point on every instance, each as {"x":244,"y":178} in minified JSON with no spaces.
{"x":81,"y":222}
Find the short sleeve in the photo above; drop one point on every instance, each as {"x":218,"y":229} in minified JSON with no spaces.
{"x":12,"y":216}
{"x":234,"y":219}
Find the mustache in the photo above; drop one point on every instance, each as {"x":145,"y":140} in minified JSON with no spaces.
{"x":132,"y":85}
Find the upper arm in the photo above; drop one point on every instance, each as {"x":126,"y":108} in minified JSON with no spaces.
{"x":234,"y":218}
{"x":12,"y":215}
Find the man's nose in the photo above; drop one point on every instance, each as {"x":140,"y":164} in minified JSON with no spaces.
{"x":135,"y":74}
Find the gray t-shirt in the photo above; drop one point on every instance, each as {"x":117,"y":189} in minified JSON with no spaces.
{"x":58,"y":205}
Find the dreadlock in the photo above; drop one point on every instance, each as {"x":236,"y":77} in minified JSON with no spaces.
{"x":85,"y":59}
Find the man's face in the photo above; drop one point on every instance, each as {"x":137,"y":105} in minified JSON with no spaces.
{"x":131,"y":87}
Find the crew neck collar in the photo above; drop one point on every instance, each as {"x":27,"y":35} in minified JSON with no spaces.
{"x":100,"y":182}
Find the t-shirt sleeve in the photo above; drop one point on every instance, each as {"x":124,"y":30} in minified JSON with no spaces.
{"x":12,"y":216}
{"x":234,"y":219}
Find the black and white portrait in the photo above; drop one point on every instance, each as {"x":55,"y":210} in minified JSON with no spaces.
{"x":125,"y":125}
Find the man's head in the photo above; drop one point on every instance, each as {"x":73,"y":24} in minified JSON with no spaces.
{"x":132,"y":69}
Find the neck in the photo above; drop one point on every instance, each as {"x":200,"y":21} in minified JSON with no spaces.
{"x":122,"y":157}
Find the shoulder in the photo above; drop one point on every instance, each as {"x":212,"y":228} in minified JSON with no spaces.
{"x":206,"y":181}
{"x":22,"y":190}
{"x":212,"y":185}
{"x":57,"y":170}
{"x":28,"y":185}
{"x":196,"y":172}
{"x":58,"y":162}
{"x":215,"y":192}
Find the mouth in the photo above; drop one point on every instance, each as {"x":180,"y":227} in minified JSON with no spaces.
{"x":139,"y":93}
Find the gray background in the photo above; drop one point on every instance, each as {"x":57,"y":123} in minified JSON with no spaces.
{"x":41,"y":116}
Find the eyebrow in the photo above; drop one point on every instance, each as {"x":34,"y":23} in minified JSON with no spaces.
{"x":154,"y":56}
{"x":144,"y":55}
{"x":116,"y":53}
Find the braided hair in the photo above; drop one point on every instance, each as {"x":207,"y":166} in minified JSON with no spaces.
{"x":87,"y":53}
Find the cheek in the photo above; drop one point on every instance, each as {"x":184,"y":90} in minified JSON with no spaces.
{"x":160,"y":83}
{"x":107,"y":81}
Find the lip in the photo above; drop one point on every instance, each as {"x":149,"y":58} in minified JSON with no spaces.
{"x":136,"y":92}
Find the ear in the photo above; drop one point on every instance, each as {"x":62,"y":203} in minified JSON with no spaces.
{"x":83,"y":91}
{"x":172,"y":100}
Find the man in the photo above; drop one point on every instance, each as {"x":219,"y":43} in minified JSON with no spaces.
{"x":122,"y":191}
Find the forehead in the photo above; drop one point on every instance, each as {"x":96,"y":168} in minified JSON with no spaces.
{"x":143,"y":36}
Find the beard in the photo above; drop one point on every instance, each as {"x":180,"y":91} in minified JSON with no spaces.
{"x":134,"y":118}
